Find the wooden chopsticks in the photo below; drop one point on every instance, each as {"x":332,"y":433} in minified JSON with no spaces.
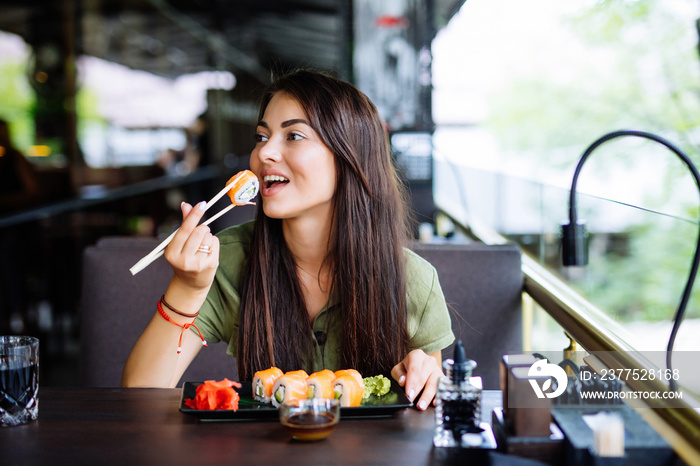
{"x":158,"y":251}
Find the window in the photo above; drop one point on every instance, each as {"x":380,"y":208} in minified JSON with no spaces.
{"x":520,"y":92}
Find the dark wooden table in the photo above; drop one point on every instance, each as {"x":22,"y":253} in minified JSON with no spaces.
{"x":144,"y":426}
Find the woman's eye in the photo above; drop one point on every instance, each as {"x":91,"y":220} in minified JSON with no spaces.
{"x":260,"y":137}
{"x":295,"y":137}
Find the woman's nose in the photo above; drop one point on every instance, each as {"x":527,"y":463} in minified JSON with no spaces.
{"x":269,"y":151}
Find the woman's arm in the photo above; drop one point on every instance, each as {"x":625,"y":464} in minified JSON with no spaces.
{"x":154,"y":361}
{"x":419,"y":371}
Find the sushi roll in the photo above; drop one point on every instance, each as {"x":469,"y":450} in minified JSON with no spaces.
{"x":300,"y":372}
{"x":355,"y":374}
{"x":347,"y":389}
{"x":291,"y":386}
{"x":244,"y":187}
{"x":264,"y":382}
{"x":321,"y":384}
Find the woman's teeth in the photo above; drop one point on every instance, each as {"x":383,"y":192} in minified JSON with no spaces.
{"x":271,"y":179}
{"x":275,"y":178}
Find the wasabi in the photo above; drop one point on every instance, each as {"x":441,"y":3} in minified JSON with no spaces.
{"x":377,"y":385}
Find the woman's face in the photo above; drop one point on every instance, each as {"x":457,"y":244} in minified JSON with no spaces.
{"x":295,"y":168}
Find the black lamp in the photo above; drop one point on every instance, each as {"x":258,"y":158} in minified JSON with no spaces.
{"x":573,"y":240}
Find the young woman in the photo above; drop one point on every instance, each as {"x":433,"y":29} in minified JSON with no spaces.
{"x":322,"y":278}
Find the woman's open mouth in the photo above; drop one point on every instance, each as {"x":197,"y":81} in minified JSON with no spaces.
{"x":271,"y":180}
{"x":272,"y":183}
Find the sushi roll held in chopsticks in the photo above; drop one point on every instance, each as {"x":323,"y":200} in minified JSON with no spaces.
{"x":321,"y":384}
{"x":244,"y":187}
{"x":291,"y":386}
{"x":348,"y":389}
{"x":264,"y":382}
{"x":241,"y":188}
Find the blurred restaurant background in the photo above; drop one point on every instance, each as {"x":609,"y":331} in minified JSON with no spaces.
{"x":121,"y":109}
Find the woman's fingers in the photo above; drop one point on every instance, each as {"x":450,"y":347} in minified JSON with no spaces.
{"x":398,"y":373}
{"x":429,"y":390}
{"x":194,"y":251}
{"x":185,"y":208}
{"x":215,"y":245}
{"x":190,"y":236}
{"x":418,"y":372}
{"x":207,"y":249}
{"x":415,"y":378}
{"x":190,"y":219}
{"x":199,"y":237}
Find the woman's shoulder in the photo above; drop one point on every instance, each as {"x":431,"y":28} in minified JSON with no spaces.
{"x":234,"y":249}
{"x":421,"y":278}
{"x":429,"y":324}
{"x":236,"y":235}
{"x":417,"y":266}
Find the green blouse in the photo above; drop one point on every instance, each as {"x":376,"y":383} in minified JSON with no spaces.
{"x":429,"y":325}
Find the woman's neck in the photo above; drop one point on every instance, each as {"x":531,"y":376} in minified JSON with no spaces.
{"x":308,"y":241}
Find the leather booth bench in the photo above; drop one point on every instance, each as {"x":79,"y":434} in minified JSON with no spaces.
{"x":482,"y":285}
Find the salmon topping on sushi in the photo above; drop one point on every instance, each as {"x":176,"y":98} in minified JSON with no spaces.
{"x":264,"y":382}
{"x":348,"y":390}
{"x":321,"y":384}
{"x":291,"y":386}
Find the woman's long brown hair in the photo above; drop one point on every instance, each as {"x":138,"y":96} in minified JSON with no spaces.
{"x":370,"y":227}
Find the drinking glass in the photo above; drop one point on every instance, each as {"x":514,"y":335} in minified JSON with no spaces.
{"x":19,"y":379}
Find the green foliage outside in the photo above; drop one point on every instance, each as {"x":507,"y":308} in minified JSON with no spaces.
{"x":16,"y":103}
{"x":641,"y":70}
{"x":86,"y":103}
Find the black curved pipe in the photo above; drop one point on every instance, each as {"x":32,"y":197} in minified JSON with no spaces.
{"x":573,"y":233}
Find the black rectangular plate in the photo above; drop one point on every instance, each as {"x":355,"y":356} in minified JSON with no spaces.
{"x":252,"y":410}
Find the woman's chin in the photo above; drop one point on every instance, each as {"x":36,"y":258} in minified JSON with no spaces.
{"x":273,"y":211}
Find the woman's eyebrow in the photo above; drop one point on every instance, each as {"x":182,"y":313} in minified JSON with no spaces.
{"x":286,"y":123}
{"x":294,"y":121}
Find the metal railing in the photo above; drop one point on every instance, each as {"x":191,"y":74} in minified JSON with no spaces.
{"x":125,"y":192}
{"x":594,"y":331}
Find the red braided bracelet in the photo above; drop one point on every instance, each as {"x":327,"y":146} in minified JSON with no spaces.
{"x":184,"y":327}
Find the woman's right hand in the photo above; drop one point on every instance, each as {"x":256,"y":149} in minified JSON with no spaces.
{"x":194,"y":271}
{"x":154,"y":361}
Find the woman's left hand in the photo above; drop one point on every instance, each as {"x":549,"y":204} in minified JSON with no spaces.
{"x":419,"y":371}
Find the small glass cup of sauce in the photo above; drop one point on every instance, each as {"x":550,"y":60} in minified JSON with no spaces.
{"x":310,"y":420}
